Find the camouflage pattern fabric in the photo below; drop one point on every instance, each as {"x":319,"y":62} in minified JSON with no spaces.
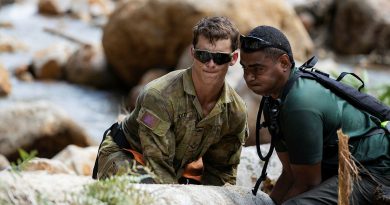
{"x":168,"y":128}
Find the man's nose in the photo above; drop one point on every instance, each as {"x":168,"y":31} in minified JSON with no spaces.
{"x":249,"y":76}
{"x":211,"y":63}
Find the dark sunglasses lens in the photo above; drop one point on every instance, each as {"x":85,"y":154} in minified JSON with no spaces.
{"x":221,"y":58}
{"x":218,"y":58}
{"x":248,"y":43}
{"x":203,"y":56}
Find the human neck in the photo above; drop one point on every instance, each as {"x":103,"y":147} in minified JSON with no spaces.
{"x":207,"y":94}
{"x":281,"y":85}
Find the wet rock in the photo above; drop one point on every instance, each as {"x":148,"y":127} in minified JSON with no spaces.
{"x":5,"y":83}
{"x":38,"y":125}
{"x":166,"y":30}
{"x":79,"y":160}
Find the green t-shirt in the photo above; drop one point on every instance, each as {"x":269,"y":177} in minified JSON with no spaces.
{"x":309,"y":119}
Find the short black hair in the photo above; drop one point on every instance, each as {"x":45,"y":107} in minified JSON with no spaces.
{"x":279,"y":42}
{"x":216,"y":28}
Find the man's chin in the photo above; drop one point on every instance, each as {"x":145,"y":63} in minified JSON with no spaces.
{"x":259,"y":92}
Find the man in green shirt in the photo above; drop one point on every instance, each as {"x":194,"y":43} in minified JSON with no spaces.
{"x":309,"y":118}
{"x":186,"y":119}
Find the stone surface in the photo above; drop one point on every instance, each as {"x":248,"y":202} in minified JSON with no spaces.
{"x":5,"y":83}
{"x":48,"y":165}
{"x":48,"y":63}
{"x":79,"y":160}
{"x":37,"y":125}
{"x":39,"y":187}
{"x":361,"y":26}
{"x":4,"y":163}
{"x":249,"y":169}
{"x":87,"y":65}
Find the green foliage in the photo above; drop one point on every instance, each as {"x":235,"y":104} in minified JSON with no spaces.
{"x":352,"y":81}
{"x":118,"y":190}
{"x":381,"y":92}
{"x":384,"y":94}
{"x":25,"y":157}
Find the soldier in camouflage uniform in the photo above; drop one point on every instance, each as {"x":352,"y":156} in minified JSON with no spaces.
{"x":187,"y":118}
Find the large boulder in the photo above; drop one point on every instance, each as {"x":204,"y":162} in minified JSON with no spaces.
{"x":38,"y":126}
{"x":87,"y":65}
{"x":144,"y":34}
{"x":360,"y":26}
{"x":41,"y":188}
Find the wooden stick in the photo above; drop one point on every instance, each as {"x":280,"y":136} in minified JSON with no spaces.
{"x":65,"y":36}
{"x":348,"y":171}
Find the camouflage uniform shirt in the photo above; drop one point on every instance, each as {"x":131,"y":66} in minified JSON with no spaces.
{"x":168,"y":128}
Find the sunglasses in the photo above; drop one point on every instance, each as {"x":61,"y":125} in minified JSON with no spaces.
{"x":251,"y":43}
{"x":218,"y":57}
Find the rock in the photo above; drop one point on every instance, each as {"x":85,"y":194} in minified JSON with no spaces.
{"x":87,"y":66}
{"x":361,"y":26}
{"x":82,"y":9}
{"x":11,"y":44}
{"x":78,"y":159}
{"x":47,"y":165}
{"x":5,"y":83}
{"x":48,"y":63}
{"x":4,"y":163}
{"x":166,"y":30}
{"x":146,"y":78}
{"x":24,"y":73}
{"x":54,"y":7}
{"x":38,"y":187}
{"x":26,"y":188}
{"x":249,"y":169}
{"x":38,"y":126}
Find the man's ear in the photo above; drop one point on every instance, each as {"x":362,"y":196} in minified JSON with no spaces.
{"x":192,"y":50}
{"x":234,"y":58}
{"x":285,"y":62}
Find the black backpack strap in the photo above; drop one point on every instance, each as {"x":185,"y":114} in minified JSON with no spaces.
{"x":343,"y":74}
{"x":118,"y":137}
{"x":270,"y":123}
{"x":95,"y":167}
{"x":310,"y":63}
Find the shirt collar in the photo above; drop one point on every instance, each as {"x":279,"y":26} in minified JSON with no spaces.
{"x":189,"y":88}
